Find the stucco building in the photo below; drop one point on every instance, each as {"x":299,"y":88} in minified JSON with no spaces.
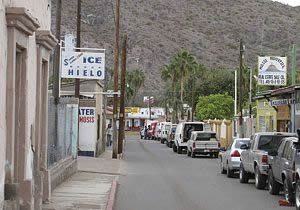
{"x":26,"y":44}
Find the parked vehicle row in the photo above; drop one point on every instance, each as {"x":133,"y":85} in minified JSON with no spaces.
{"x":196,"y":138}
{"x":271,"y":159}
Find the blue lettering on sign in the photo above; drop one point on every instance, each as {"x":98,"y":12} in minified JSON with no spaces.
{"x":99,"y":73}
{"x":92,"y":59}
{"x":86,"y":111}
{"x":70,"y":72}
{"x":84,"y":72}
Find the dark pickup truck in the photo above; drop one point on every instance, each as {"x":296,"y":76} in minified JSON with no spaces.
{"x":254,"y":160}
{"x":282,"y":170}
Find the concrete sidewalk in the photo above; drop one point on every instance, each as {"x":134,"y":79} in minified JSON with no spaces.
{"x":92,"y":187}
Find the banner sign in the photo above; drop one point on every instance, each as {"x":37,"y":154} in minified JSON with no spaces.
{"x":82,"y":65}
{"x":272,"y":71}
{"x":87,"y":129}
{"x":132,"y":110}
{"x":281,"y":102}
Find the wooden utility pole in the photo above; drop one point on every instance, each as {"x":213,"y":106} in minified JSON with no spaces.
{"x":122,"y":98}
{"x":77,"y":81}
{"x":116,"y":69}
{"x":241,"y":129}
{"x":56,"y":76}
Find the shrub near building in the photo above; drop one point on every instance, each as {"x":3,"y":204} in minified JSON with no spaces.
{"x":217,"y":106}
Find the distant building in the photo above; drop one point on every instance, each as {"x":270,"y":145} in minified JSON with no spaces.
{"x":136,"y":117}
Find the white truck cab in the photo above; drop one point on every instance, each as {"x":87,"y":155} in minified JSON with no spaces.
{"x":184,"y":131}
{"x":165,"y":129}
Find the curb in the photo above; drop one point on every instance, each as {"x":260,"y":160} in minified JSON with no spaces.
{"x":112,"y":196}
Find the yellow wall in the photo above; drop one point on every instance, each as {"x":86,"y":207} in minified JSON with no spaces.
{"x":265,"y":112}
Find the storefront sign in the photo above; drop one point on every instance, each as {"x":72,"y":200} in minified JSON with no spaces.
{"x":281,"y":102}
{"x":272,"y":71}
{"x":87,"y":129}
{"x":82,"y":65}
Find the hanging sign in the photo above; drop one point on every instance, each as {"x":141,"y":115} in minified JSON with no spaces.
{"x":272,"y":71}
{"x":82,"y":65}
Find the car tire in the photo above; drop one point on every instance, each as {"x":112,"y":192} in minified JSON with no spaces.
{"x":222,"y":170}
{"x":167,"y":144}
{"x":179,"y":150}
{"x":244,"y":176}
{"x":193,"y":155}
{"x":288,"y":192}
{"x":274,"y":186}
{"x":297,"y":195}
{"x":188,"y":152}
{"x":162,"y":141}
{"x":260,"y":179}
{"x":229,"y":172}
{"x":170,"y":145}
{"x":174,"y":148}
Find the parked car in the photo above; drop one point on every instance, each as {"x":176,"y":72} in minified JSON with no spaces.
{"x":230,"y":158}
{"x":151,"y":132}
{"x":297,"y":181}
{"x":183,"y":134}
{"x":203,"y":143}
{"x":171,"y":135}
{"x":282,"y":170}
{"x":164,"y":131}
{"x":254,"y":161}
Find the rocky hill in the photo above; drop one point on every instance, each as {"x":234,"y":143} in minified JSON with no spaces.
{"x":211,"y":29}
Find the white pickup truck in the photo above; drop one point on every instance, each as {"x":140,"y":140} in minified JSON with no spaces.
{"x":203,"y":142}
{"x":183,"y":134}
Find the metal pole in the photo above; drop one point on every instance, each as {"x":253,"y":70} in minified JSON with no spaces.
{"x":77,"y":81}
{"x":150,"y":107}
{"x":241,"y":89}
{"x":250,"y":95}
{"x":294,"y":65}
{"x":122,"y":97}
{"x":104,"y":115}
{"x":235,"y":93}
{"x":116,"y":69}
{"x":56,"y":76}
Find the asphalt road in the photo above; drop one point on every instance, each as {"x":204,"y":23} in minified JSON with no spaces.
{"x":156,"y":178}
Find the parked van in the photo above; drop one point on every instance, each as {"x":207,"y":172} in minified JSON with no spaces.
{"x":184,"y":131}
{"x":164,"y":131}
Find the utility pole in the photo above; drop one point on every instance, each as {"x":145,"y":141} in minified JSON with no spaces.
{"x":104,"y":114}
{"x":193,"y":96}
{"x":241,"y":134}
{"x":116,"y":69}
{"x":122,"y":97}
{"x":56,"y":76}
{"x":149,"y":106}
{"x":77,"y":81}
{"x":294,"y":65}
{"x":250,"y":94}
{"x":235,"y":93}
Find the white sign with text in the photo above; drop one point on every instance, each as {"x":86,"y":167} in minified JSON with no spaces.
{"x":82,"y":65}
{"x":272,"y":71}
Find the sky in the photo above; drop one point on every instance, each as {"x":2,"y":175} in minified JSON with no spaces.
{"x":290,"y":2}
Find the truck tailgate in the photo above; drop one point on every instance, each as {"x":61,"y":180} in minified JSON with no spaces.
{"x":207,"y":145}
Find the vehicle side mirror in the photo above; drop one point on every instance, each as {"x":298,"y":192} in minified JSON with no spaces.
{"x":222,"y":149}
{"x":273,"y":153}
{"x":245,"y":146}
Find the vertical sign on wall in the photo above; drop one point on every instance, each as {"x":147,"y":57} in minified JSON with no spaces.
{"x":87,"y":130}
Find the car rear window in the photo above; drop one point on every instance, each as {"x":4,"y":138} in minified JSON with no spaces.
{"x":173,"y":129}
{"x":239,"y":143}
{"x":188,"y":128}
{"x":269,"y":143}
{"x":206,"y":136}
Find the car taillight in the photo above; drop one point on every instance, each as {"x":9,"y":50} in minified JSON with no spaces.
{"x":194,"y":144}
{"x":264,"y":159}
{"x":235,"y":154}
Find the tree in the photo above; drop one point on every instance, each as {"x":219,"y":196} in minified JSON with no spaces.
{"x":217,"y":106}
{"x":134,"y":81}
{"x":170,"y":73}
{"x":185,"y":61}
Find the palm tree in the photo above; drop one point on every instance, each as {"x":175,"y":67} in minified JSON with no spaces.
{"x":185,"y":62}
{"x":170,"y":73}
{"x":135,"y":80}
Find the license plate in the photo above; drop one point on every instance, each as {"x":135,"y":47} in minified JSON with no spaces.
{"x":206,"y":150}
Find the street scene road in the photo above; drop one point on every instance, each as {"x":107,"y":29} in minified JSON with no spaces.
{"x":154,"y":177}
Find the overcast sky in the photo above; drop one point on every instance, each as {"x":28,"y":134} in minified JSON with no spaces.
{"x":290,"y":2}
